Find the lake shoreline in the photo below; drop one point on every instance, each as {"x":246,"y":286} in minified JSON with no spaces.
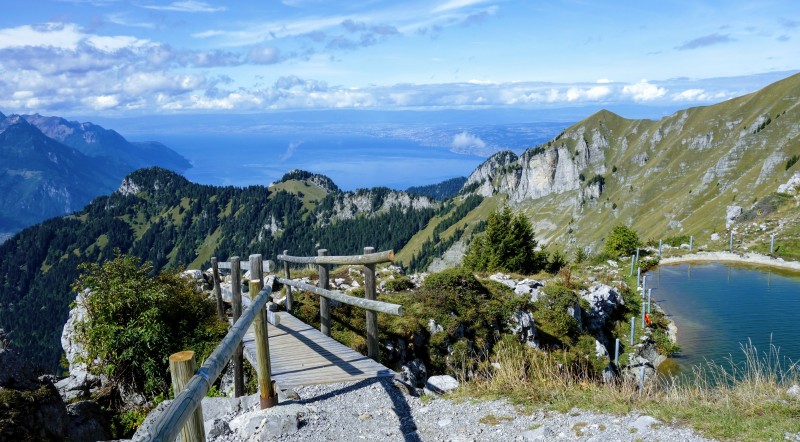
{"x":753,"y":259}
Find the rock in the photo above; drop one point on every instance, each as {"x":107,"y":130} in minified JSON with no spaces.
{"x":504,"y":279}
{"x":271,"y":423}
{"x":87,"y":422}
{"x":441,"y":384}
{"x":434,"y":327}
{"x":603,"y":302}
{"x":613,"y":264}
{"x":151,"y":417}
{"x":600,"y":350}
{"x":523,"y":326}
{"x":715,"y":237}
{"x":541,"y":433}
{"x":197,"y":275}
{"x":217,"y":428}
{"x":794,"y":391}
{"x":644,"y":424}
{"x":414,"y":373}
{"x":791,"y":187}
{"x":30,"y":409}
{"x":731,"y":214}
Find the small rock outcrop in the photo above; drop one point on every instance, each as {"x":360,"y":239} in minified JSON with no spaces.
{"x":31,"y":409}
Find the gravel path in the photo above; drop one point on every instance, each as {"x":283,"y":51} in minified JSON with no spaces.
{"x":375,"y":410}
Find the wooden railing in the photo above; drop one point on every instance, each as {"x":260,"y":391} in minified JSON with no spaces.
{"x":369,"y":259}
{"x":184,"y":414}
{"x":186,"y":405}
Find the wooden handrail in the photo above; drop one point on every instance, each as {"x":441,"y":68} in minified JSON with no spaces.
{"x":372,"y":258}
{"x":367,"y":304}
{"x":245,"y":265}
{"x":167,"y":426}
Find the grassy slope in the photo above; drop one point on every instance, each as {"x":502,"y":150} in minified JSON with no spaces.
{"x":670,"y":186}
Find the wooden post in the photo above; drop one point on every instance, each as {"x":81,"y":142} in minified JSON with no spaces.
{"x":660,"y":244}
{"x":373,"y":350}
{"x":731,"y":244}
{"x":616,"y":353}
{"x":637,"y":255}
{"x":288,"y":287}
{"x":644,"y":282}
{"x":638,"y":276}
{"x":649,"y":298}
{"x":236,"y":302}
{"x":324,"y":303}
{"x":633,"y":262}
{"x":266,"y":389}
{"x":182,"y":367}
{"x":217,"y":289}
{"x":772,"y":244}
{"x":691,"y":242}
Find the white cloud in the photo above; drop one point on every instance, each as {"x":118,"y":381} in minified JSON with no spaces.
{"x":467,"y":141}
{"x":290,"y":150}
{"x":604,"y":81}
{"x":186,"y":6}
{"x":644,"y":91}
{"x":102,"y":102}
{"x":455,"y":4}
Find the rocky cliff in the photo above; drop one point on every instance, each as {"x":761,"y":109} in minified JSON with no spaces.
{"x":668,"y":177}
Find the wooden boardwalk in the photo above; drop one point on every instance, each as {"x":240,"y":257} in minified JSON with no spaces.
{"x":302,"y":355}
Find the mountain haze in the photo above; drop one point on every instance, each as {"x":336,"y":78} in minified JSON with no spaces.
{"x":52,"y":167}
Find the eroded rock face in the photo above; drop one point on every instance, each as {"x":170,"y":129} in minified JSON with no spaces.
{"x":603,"y":301}
{"x":30,"y":409}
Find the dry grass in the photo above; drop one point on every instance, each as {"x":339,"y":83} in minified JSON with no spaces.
{"x":746,"y":401}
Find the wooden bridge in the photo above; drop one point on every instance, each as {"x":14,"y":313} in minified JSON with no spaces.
{"x":284,"y":350}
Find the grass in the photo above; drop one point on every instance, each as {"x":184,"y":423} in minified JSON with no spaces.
{"x":726,"y":401}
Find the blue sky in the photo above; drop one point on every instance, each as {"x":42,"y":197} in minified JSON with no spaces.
{"x":144,"y":57}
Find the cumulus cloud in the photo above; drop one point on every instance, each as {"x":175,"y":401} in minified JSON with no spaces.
{"x":186,"y":6}
{"x":465,"y":142}
{"x":644,"y":91}
{"x":706,"y":40}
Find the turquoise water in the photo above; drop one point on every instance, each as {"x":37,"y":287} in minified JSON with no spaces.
{"x":719,"y":307}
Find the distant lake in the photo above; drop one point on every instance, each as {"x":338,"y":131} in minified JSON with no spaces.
{"x":717,"y":307}
{"x":351,"y":161}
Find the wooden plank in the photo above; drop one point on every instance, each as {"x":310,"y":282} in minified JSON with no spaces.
{"x":373,"y":258}
{"x":245,"y":265}
{"x":301,"y":355}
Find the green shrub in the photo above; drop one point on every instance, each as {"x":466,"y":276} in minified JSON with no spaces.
{"x":507,"y":245}
{"x":550,"y":314}
{"x":622,"y":241}
{"x":399,"y":284}
{"x":134,"y":321}
{"x":791,"y":161}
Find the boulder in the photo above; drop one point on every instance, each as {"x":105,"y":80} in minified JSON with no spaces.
{"x":271,"y":423}
{"x":87,"y":422}
{"x":794,"y":391}
{"x":791,"y":187}
{"x":31,"y":409}
{"x":504,"y":279}
{"x":731,"y":213}
{"x":603,"y":301}
{"x":522,"y":326}
{"x":440,"y":384}
{"x":434,"y":327}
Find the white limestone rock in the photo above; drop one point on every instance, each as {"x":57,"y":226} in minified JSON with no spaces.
{"x":441,"y":384}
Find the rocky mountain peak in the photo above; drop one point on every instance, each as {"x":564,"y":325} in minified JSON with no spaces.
{"x":321,"y":181}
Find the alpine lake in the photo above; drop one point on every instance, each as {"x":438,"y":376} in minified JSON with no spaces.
{"x":721,"y":309}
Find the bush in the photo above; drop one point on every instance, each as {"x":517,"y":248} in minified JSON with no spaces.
{"x":134,"y":321}
{"x":622,"y":241}
{"x":507,"y":245}
{"x":551,"y":316}
{"x":399,"y":284}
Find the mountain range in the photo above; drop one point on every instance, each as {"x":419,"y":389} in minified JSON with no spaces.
{"x":691,"y":173}
{"x":52,"y":167}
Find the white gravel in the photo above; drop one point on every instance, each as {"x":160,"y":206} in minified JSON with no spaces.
{"x":375,"y":410}
{"x":746,"y":258}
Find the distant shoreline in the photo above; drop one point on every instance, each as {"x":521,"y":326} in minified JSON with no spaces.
{"x":754,"y":259}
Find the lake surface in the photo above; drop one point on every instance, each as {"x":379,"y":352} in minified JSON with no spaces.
{"x":717,"y":307}
{"x":351,"y":161}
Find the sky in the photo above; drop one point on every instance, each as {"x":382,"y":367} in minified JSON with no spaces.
{"x":148,"y":57}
